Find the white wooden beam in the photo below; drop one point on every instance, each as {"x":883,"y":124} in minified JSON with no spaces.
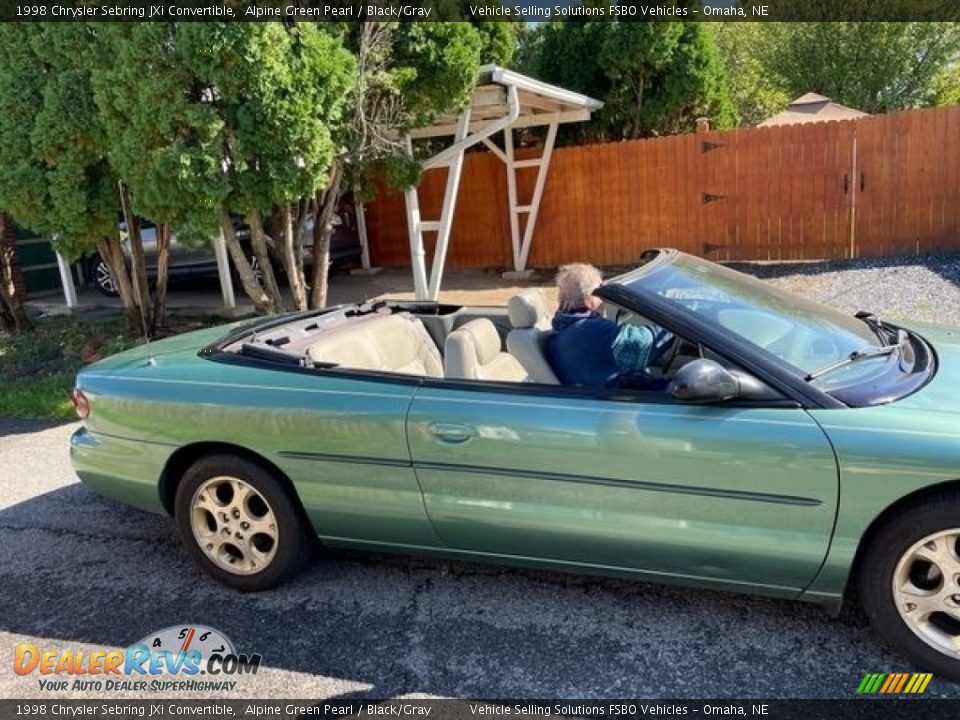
{"x":66,"y":280}
{"x":539,"y":105}
{"x":417,"y":254}
{"x":468,"y":139}
{"x":447,"y":210}
{"x":537,"y":196}
{"x":494,"y":148}
{"x":223,"y":271}
{"x":524,"y":120}
{"x":512,"y":197}
{"x":537,"y":87}
{"x":541,"y":119}
{"x":361,"y":213}
{"x":540,"y":102}
{"x":486,"y":95}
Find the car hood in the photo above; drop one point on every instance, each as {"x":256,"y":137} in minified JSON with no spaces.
{"x":942,"y":393}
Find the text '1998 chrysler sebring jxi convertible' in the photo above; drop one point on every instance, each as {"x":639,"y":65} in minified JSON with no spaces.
{"x":770,"y":445}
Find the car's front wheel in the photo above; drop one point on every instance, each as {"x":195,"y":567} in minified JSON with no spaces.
{"x":910,"y":585}
{"x":240,"y":524}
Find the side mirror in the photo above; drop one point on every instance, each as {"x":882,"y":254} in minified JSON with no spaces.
{"x":704,"y":381}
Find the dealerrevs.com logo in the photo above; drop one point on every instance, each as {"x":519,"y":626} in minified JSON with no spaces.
{"x":184,"y":658}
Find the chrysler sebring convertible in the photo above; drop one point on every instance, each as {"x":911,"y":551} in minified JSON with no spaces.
{"x":772,"y":445}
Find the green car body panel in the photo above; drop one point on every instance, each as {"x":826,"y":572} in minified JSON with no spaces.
{"x":771,"y":500}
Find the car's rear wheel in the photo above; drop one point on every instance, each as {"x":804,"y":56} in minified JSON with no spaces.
{"x":102,"y":276}
{"x":240,"y":524}
{"x":910,"y":585}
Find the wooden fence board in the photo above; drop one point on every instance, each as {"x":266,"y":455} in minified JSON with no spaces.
{"x":780,"y":195}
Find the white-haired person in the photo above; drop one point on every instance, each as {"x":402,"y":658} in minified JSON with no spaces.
{"x":588,"y":349}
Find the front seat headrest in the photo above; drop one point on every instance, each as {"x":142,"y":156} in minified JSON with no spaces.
{"x":528,"y":309}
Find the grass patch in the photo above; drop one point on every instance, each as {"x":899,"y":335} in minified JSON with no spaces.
{"x":45,"y":397}
{"x":37,"y":369}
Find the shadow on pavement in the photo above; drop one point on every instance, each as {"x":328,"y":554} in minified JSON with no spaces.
{"x":79,"y":568}
{"x":24,"y":426}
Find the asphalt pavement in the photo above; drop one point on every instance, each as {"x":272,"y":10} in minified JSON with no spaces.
{"x":81,"y":572}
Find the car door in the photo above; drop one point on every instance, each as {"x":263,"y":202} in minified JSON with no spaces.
{"x":183,"y":255}
{"x":732,"y":495}
{"x":340,"y":438}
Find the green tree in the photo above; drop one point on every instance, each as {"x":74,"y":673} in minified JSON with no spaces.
{"x":654,"y":77}
{"x":213,"y":120}
{"x":54,"y":174}
{"x":755,"y":92}
{"x":663,"y":77}
{"x":872,"y":66}
{"x":407,"y":74}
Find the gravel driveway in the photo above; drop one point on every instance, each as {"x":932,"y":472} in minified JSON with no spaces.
{"x":82,"y":572}
{"x":925,"y":287}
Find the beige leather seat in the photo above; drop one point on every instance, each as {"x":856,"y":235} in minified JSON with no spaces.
{"x":531,"y":325}
{"x":473,"y":352}
{"x":391,"y":343}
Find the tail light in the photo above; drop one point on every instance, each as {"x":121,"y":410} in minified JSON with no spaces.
{"x":80,"y":403}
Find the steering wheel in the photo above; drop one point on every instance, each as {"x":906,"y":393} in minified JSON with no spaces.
{"x":672,"y":354}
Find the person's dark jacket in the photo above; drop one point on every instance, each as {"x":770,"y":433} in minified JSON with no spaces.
{"x":587,"y":349}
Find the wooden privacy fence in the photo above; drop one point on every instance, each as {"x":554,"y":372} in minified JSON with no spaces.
{"x":878,"y":185}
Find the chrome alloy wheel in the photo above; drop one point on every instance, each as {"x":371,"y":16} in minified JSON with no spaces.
{"x":234,"y":525}
{"x":103,"y":277}
{"x":255,"y":268}
{"x":926,"y":590}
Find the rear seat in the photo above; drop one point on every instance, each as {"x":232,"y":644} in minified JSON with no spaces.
{"x":390,"y":343}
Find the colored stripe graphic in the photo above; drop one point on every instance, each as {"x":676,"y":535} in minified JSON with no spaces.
{"x":903,"y":681}
{"x":894,"y":683}
{"x":889,"y":682}
{"x":871,"y":682}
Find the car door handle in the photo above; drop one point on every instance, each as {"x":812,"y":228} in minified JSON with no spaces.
{"x":453,"y":433}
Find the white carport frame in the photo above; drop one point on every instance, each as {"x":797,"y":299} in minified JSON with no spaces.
{"x":502,"y":102}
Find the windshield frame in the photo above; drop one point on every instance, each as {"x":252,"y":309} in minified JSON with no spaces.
{"x":679,"y":320}
{"x":625,"y":290}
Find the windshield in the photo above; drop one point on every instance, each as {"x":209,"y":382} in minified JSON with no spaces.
{"x":804,"y":334}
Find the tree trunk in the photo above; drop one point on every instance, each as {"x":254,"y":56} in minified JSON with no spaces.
{"x":322,"y":229}
{"x":111,"y":251}
{"x":291,"y":264}
{"x":304,"y":208}
{"x":163,"y":274}
{"x":138,"y":269}
{"x":6,"y":319}
{"x":261,"y":301}
{"x":11,"y":302}
{"x":258,"y":242}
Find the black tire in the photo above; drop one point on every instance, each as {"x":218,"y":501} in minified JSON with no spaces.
{"x":101,"y":276}
{"x":876,"y":580}
{"x":293,"y":538}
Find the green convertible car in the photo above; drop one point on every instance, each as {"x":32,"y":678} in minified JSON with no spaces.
{"x":772,"y":446}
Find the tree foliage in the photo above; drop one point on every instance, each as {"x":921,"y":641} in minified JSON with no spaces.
{"x":407,"y":74}
{"x":198,"y":126}
{"x":654,"y":77}
{"x":872,"y":66}
{"x":209,"y":120}
{"x":755,"y":92}
{"x":55,"y":177}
